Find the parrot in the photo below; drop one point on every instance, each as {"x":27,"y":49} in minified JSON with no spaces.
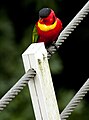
{"x":47,"y":28}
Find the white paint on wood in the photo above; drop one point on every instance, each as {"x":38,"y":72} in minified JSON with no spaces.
{"x":41,"y":87}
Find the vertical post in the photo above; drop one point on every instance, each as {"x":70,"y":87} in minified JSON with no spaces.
{"x":41,"y":87}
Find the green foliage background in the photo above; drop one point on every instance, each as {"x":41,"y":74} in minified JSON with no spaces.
{"x":17,"y":19}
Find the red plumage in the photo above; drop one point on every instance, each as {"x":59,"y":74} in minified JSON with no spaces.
{"x":49,"y":36}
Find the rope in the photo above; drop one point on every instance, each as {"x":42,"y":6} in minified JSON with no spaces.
{"x":75,"y":101}
{"x":7,"y":98}
{"x":69,"y":29}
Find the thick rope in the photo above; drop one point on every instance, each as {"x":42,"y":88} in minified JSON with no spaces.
{"x":69,"y":29}
{"x":8,"y":97}
{"x":75,"y":101}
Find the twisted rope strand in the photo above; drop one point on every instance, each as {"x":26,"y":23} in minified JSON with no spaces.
{"x":7,"y":98}
{"x":75,"y":101}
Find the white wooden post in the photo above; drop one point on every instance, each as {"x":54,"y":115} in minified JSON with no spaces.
{"x":41,"y":87}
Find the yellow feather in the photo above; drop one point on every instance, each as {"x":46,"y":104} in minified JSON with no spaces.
{"x":44,"y":27}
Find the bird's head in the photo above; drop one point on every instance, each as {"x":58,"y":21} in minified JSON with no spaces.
{"x":47,"y":16}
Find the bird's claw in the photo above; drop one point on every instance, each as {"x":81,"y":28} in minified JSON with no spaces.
{"x":55,"y":45}
{"x":52,"y":49}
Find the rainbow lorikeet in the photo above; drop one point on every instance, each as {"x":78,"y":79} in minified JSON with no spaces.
{"x":47,"y":28}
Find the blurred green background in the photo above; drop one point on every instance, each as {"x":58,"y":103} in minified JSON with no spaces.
{"x":69,"y":66}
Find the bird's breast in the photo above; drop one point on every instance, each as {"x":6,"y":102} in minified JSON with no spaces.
{"x":49,"y":34}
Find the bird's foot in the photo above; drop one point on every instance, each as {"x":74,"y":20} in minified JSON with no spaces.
{"x":51,"y":50}
{"x":55,"y":45}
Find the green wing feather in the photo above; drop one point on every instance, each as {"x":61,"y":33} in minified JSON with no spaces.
{"x":35,"y":35}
